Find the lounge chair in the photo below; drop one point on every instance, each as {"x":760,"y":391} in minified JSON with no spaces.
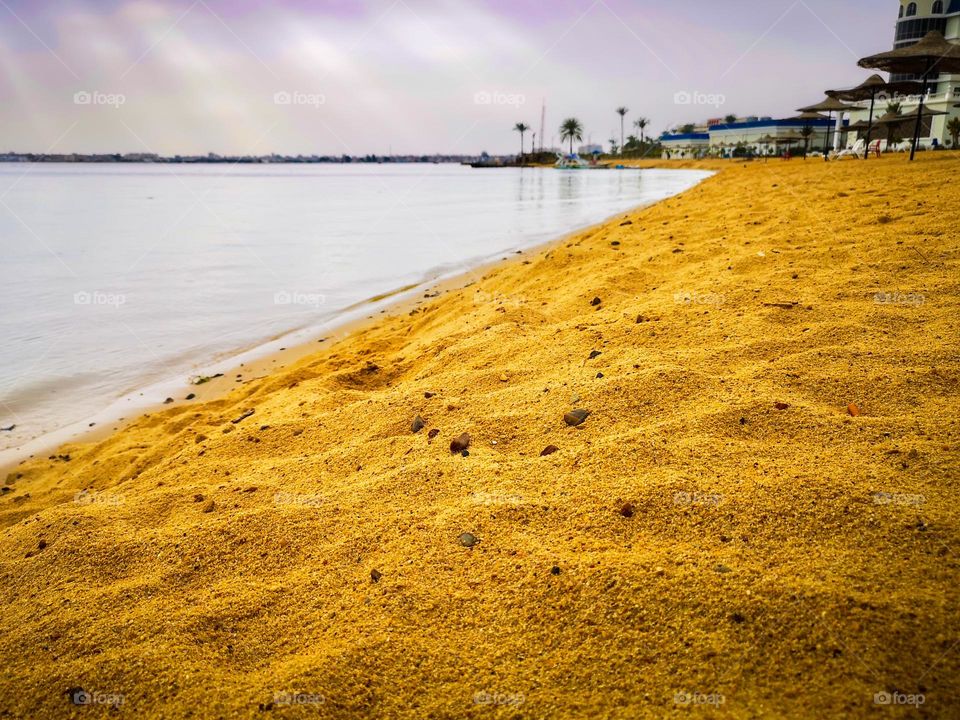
{"x":858,"y":150}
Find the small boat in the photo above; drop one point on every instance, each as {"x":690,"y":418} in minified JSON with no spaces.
{"x":573,"y":161}
{"x":486,"y":161}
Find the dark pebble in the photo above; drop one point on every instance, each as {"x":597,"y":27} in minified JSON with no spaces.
{"x":599,"y":375}
{"x":460,"y":444}
{"x":626,"y":222}
{"x":595,"y":353}
{"x":738,"y":618}
{"x":548,"y":450}
{"x":627,"y":510}
{"x":469,"y":539}
{"x":417,"y":424}
{"x":596,"y":301}
{"x":168,"y":401}
{"x":781,"y":406}
{"x":428,"y":395}
{"x":465,"y":453}
{"x":375,"y":575}
{"x":191,"y":396}
{"x":433,"y":433}
{"x":555,"y":570}
{"x":42,"y":544}
{"x":576,"y":417}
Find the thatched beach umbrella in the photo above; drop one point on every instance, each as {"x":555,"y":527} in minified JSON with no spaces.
{"x":870,"y":89}
{"x":830,"y":105}
{"x":767,"y":139}
{"x":932,"y":53}
{"x":890,"y":120}
{"x":894,"y":120}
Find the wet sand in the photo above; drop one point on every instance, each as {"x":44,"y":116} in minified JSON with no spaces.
{"x":757,"y":518}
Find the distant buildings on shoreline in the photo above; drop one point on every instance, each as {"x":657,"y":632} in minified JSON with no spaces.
{"x":212,"y":158}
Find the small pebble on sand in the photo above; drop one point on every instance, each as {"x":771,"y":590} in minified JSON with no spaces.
{"x":375,"y":575}
{"x":548,"y":450}
{"x":469,"y":539}
{"x":627,"y":510}
{"x":576,"y":417}
{"x":210,"y":506}
{"x":417,"y":424}
{"x":459,"y":444}
{"x":853,"y":410}
{"x":596,"y":301}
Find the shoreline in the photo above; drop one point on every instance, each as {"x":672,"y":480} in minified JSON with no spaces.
{"x":256,"y":362}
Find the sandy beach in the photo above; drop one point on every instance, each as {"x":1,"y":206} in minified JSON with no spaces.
{"x":757,"y":518}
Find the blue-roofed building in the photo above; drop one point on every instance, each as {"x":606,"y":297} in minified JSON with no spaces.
{"x":722,"y":138}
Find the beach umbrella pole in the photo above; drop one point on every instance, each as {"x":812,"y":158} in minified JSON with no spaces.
{"x":916,"y":130}
{"x":866,"y":151}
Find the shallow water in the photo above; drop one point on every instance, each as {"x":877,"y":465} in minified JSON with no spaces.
{"x":116,"y":277}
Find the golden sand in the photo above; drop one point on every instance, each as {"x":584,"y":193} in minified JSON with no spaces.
{"x":710,"y":540}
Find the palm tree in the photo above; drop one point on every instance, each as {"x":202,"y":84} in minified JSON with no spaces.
{"x":521,"y":128}
{"x":641,"y":124}
{"x":806,"y":131}
{"x":894,"y":130}
{"x":622,"y":111}
{"x":953,"y":127}
{"x":571,"y":129}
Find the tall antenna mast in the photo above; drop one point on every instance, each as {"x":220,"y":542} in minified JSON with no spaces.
{"x":543,"y":117}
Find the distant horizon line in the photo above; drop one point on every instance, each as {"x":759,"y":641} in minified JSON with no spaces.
{"x":274,"y":158}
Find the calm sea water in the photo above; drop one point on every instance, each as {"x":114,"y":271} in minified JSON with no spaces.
{"x":117,"y":277}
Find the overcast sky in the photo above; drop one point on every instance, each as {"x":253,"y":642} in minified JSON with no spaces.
{"x":411,"y":76}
